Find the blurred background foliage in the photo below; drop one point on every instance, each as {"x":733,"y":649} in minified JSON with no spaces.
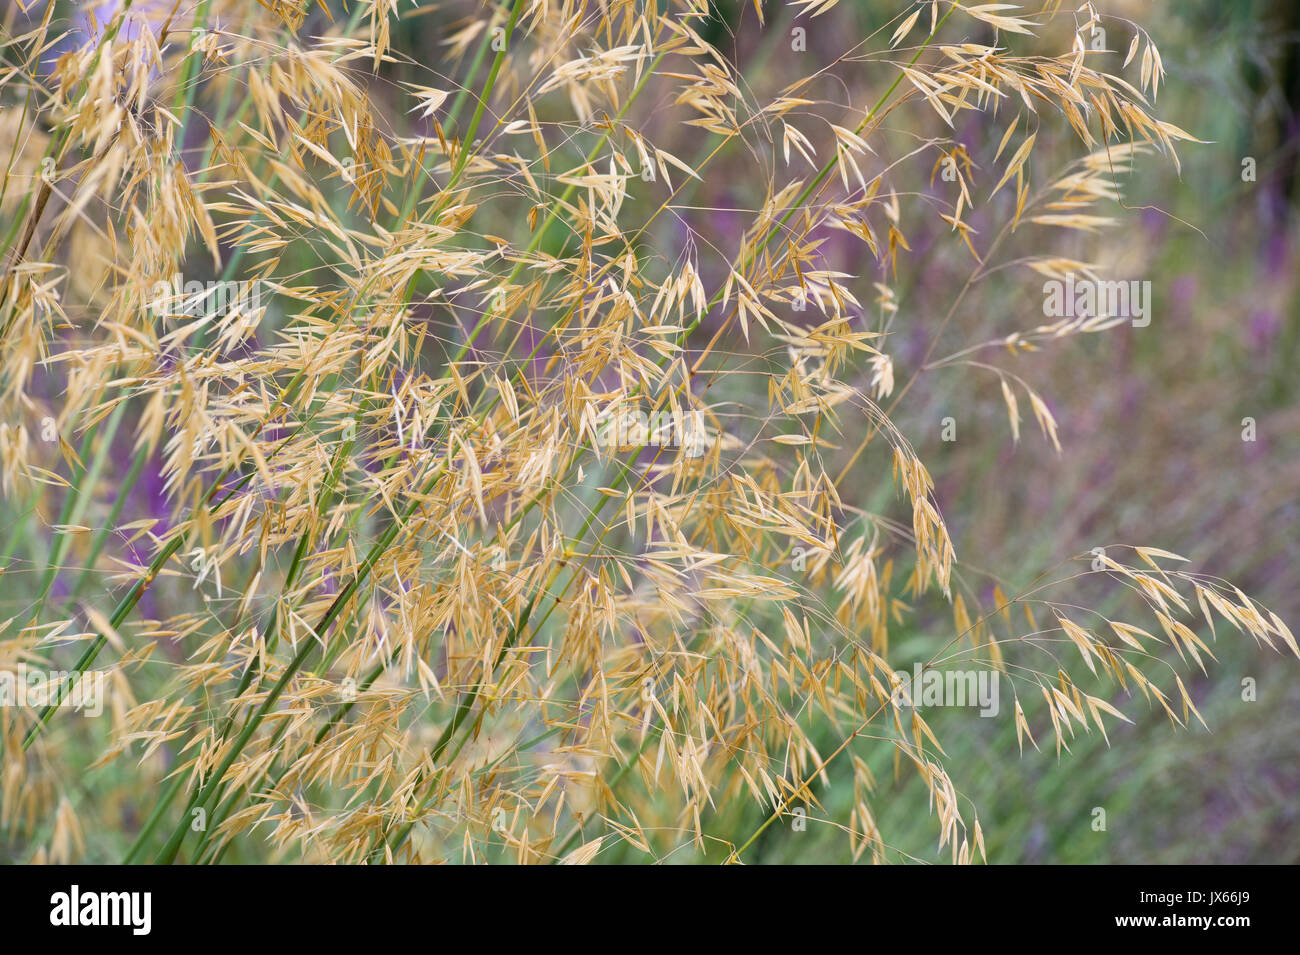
{"x":1152,"y":431}
{"x":1153,"y":452}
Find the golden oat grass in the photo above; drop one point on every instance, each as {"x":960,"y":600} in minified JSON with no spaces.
{"x":405,"y":599}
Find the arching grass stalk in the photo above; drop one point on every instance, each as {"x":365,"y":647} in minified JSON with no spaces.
{"x":132,"y":597}
{"x":827,"y":168}
{"x":204,"y":793}
{"x":463,"y":159}
{"x":201,"y":797}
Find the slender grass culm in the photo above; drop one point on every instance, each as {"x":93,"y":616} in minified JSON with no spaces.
{"x":477,"y":431}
